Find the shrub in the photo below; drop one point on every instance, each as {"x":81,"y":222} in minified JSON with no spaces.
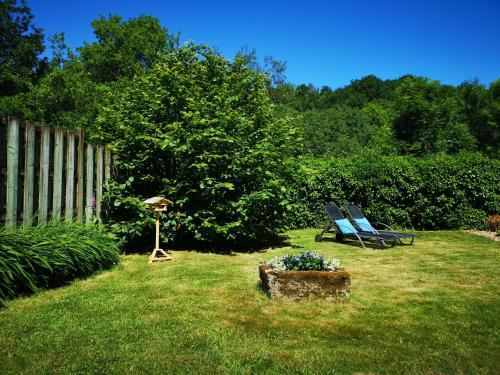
{"x":305,"y":261}
{"x":51,"y":255}
{"x":200,"y":130}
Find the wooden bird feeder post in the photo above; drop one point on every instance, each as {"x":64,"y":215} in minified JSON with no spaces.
{"x":157,"y":205}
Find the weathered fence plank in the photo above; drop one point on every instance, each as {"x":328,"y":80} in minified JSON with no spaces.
{"x":89,"y":190}
{"x":80,"y":187}
{"x":29,"y":172}
{"x":107,"y":165}
{"x":99,"y":181}
{"x":3,"y":168}
{"x":70,"y":177}
{"x":43,"y":189}
{"x":12,"y":171}
{"x":58,"y":173}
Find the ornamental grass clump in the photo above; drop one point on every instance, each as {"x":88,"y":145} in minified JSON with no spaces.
{"x":493,"y":223}
{"x":47,"y":256}
{"x":305,"y":261}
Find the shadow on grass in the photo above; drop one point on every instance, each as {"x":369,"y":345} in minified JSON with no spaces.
{"x":260,"y":289}
{"x":354,"y":243}
{"x":249,"y":248}
{"x":216,"y":248}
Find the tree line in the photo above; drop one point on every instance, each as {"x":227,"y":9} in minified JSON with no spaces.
{"x":408,"y":115}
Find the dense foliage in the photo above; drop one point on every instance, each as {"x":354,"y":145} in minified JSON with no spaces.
{"x":438,"y":192}
{"x":199,"y":129}
{"x":51,"y":255}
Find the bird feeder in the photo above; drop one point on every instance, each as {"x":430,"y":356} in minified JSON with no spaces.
{"x":157,"y":205}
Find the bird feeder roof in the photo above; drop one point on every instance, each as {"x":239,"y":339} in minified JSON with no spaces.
{"x":158,"y":201}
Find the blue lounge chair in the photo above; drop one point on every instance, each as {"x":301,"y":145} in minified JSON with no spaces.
{"x":364,"y":226}
{"x":345,"y":230}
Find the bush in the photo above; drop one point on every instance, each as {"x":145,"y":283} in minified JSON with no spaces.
{"x":438,"y":192}
{"x":199,"y":130}
{"x":51,"y":255}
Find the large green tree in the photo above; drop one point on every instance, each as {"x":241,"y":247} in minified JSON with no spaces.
{"x":482,"y":107}
{"x":429,"y":118}
{"x":338,"y":131}
{"x":67,"y":97}
{"x":125,"y":48}
{"x":492,"y":141}
{"x":70,"y":94}
{"x":21,"y":45}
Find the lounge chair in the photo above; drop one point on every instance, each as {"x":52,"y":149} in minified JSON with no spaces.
{"x":364,"y":226}
{"x":345,"y":230}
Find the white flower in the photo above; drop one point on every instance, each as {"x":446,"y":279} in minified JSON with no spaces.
{"x":277,"y":264}
{"x":332,"y":264}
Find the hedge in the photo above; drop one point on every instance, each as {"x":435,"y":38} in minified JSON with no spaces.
{"x":438,"y":192}
{"x":34,"y":258}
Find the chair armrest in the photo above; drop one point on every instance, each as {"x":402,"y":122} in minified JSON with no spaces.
{"x":383,"y":225}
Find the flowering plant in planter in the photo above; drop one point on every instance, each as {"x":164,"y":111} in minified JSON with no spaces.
{"x":305,"y":261}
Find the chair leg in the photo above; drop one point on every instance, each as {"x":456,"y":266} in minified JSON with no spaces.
{"x":402,"y":243}
{"x":361,"y":241}
{"x":384,"y":244}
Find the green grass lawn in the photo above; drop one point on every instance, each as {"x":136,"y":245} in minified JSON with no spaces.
{"x":429,"y":308}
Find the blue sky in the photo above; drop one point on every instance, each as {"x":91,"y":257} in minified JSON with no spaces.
{"x":323,"y":42}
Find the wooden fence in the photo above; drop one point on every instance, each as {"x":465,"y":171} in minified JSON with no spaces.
{"x":49,"y":173}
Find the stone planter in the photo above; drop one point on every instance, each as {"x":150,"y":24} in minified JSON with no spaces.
{"x":332,"y":286}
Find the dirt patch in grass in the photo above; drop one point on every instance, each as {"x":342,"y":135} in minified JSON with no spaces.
{"x":483,"y":233}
